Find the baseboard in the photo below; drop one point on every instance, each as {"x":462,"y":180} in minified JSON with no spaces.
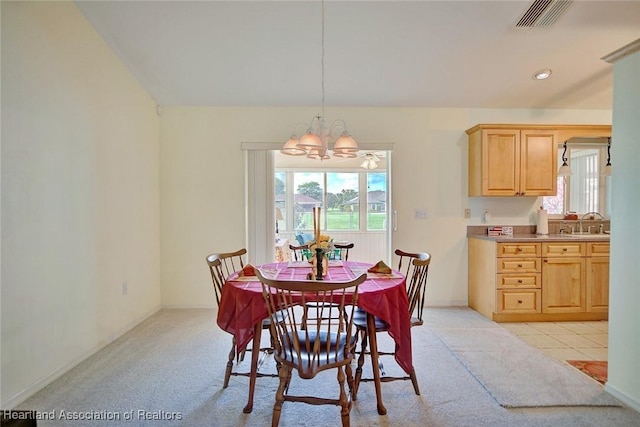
{"x":448,"y":303}
{"x":181,"y":306}
{"x":623,"y":397}
{"x":48,"y":379}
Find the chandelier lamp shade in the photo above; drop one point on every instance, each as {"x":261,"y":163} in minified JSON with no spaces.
{"x":315,"y":141}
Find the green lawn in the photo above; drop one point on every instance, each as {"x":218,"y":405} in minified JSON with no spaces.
{"x":337,"y":220}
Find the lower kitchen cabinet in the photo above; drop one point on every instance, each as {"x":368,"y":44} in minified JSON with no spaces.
{"x":597,"y":277}
{"x":563,"y":287}
{"x":528,"y":281}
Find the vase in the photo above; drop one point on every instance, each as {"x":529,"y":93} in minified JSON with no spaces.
{"x":321,"y":264}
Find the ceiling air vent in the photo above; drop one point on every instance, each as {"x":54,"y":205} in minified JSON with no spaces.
{"x":543,"y":13}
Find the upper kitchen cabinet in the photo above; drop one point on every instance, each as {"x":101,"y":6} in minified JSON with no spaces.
{"x":520,"y":160}
{"x":512,"y":161}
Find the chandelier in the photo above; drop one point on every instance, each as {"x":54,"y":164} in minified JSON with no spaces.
{"x":314,"y":143}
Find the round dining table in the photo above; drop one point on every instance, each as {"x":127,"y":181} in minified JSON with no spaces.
{"x":242,"y":309}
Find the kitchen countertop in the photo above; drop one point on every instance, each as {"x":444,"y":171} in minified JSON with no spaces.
{"x":543,"y":238}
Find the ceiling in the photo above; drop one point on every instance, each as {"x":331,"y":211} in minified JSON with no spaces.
{"x":377,"y":53}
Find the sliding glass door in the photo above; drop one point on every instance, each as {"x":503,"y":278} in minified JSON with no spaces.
{"x":281,"y":192}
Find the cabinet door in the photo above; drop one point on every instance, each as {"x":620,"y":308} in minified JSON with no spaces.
{"x":538,"y":163}
{"x":597,"y":284}
{"x":500,"y":162}
{"x":563,"y":285}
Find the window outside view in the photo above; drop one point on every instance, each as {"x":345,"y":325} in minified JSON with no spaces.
{"x":350,"y":201}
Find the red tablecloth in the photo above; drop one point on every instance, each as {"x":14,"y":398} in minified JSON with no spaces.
{"x":242,"y":306}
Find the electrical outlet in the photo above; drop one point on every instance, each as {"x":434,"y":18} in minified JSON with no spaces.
{"x":125,"y":288}
{"x":467,"y":213}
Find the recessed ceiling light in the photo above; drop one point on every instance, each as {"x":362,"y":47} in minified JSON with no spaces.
{"x":542,"y":74}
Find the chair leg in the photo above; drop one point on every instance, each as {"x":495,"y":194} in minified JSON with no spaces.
{"x":345,"y":404}
{"x":371,"y":328}
{"x":349,"y":379}
{"x":363,"y":350}
{"x":414,"y":381}
{"x":273,"y":347}
{"x":284,"y":374}
{"x":257,"y":335}
{"x":286,"y":387}
{"x":232,"y":355}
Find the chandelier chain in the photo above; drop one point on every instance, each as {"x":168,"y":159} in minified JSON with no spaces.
{"x":322,"y":56}
{"x":314,"y":143}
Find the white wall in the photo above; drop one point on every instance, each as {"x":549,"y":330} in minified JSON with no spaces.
{"x":202,"y":184}
{"x":624,"y":294}
{"x":80,"y":195}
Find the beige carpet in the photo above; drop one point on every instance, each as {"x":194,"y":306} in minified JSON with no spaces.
{"x":172,"y":366}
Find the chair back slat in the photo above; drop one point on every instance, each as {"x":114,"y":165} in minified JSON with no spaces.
{"x":221,"y":265}
{"x":318,"y":345}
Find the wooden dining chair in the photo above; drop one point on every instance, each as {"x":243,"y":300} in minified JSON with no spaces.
{"x":221,"y":265}
{"x":300,"y":252}
{"x":342,"y":250}
{"x":416,"y":270}
{"x":320,"y":346}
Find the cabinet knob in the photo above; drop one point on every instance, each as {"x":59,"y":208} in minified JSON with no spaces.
{"x":564,"y":249}
{"x":520,"y":281}
{"x":546,"y":260}
{"x":519,"y":265}
{"x":519,"y":249}
{"x":519,"y":301}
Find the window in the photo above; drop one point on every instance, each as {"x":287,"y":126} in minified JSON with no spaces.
{"x":376,"y":201}
{"x":345,"y":197}
{"x":586,"y":190}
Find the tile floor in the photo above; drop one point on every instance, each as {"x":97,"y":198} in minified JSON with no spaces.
{"x":565,"y":340}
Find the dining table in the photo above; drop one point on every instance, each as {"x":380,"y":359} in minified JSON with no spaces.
{"x":383,"y":295}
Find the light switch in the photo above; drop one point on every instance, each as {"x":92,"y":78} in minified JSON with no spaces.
{"x":420,"y":213}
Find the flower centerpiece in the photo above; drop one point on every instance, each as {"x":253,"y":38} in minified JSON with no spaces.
{"x":323,"y":242}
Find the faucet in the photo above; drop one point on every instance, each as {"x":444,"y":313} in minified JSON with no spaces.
{"x":590,"y":215}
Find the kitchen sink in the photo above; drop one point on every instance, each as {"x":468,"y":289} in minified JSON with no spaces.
{"x":585,"y":236}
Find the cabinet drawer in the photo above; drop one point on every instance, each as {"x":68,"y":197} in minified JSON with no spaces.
{"x":518,"y":249}
{"x":597,"y":248}
{"x":518,"y":281}
{"x":518,"y":265}
{"x":519,"y":301}
{"x":563,"y":249}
